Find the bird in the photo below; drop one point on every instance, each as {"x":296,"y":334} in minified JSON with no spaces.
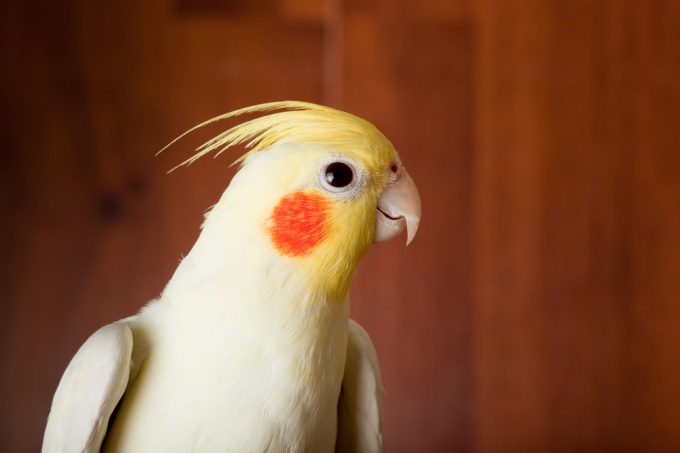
{"x":250,"y":346}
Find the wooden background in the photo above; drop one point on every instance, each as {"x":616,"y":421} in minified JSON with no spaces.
{"x":538,"y":309}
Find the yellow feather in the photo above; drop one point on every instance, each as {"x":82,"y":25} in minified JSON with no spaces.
{"x":300,"y":122}
{"x":330,"y":130}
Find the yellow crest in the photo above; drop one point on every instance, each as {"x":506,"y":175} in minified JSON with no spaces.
{"x":300,"y":122}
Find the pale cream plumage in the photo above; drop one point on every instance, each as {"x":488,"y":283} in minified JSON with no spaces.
{"x":249,"y":348}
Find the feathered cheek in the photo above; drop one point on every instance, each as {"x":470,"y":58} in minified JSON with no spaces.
{"x":299,"y":223}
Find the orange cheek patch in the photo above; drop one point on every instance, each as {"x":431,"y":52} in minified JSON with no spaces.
{"x":299,"y":223}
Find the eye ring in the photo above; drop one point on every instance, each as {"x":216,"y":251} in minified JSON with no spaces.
{"x":340,"y":175}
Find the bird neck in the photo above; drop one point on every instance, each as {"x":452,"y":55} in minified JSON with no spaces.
{"x":235,"y":252}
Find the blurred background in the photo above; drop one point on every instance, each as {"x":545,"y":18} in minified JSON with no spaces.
{"x":538,"y":309}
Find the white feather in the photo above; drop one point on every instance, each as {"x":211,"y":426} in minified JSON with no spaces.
{"x":89,"y":391}
{"x":360,"y":414}
{"x":240,"y":353}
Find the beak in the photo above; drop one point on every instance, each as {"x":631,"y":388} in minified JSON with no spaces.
{"x":398,"y":207}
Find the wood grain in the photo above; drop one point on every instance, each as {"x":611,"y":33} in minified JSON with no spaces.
{"x":538,"y":309}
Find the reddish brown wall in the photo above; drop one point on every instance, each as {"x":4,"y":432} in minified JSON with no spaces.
{"x":539,"y":307}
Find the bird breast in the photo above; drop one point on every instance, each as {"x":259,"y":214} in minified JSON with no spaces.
{"x":212,"y":385}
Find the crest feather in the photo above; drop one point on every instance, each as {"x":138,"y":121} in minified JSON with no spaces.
{"x":300,"y":122}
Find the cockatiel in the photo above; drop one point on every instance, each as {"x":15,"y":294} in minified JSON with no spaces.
{"x":250,"y":346}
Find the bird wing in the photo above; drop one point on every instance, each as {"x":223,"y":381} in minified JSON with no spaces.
{"x":89,"y":391}
{"x":360,"y":415}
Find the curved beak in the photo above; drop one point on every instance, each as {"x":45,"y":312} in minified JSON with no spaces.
{"x":398,"y":208}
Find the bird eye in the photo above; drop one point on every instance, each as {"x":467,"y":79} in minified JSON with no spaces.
{"x":342,"y":176}
{"x":339,"y":174}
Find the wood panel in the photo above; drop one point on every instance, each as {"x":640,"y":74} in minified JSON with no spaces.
{"x":576,"y":186}
{"x":538,"y":309}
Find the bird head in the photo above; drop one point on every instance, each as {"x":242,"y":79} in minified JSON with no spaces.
{"x":318,"y":187}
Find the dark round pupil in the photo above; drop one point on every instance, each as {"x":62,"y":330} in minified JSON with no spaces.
{"x":339,"y":174}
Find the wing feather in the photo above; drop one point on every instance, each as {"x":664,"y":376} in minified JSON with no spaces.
{"x":89,"y":391}
{"x":360,"y":414}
